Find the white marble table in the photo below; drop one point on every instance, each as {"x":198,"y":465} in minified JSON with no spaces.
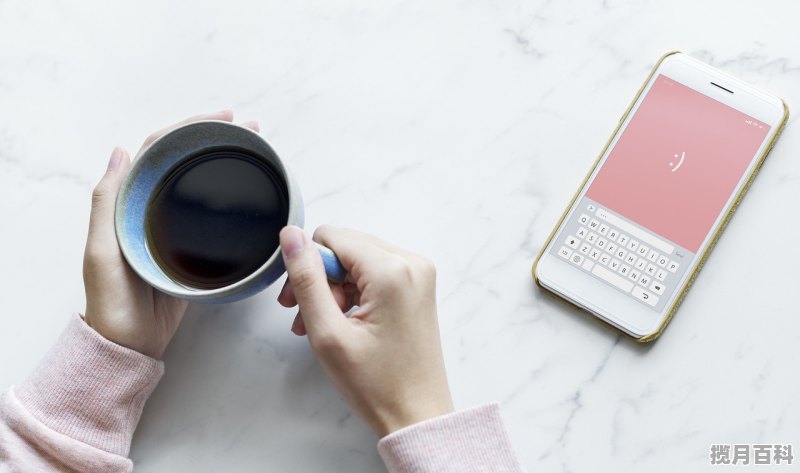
{"x":456,"y":128}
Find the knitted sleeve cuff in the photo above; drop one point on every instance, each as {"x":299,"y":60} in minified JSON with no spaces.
{"x":472,"y":440}
{"x":91,"y":389}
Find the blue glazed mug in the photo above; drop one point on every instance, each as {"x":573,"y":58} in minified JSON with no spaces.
{"x":146,"y":178}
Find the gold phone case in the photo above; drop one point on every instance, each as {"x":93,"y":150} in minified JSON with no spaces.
{"x":717,"y":232}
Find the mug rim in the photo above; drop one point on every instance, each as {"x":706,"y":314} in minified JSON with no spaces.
{"x":178,"y":289}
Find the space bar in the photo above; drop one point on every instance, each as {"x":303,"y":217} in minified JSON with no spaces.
{"x":612,"y":278}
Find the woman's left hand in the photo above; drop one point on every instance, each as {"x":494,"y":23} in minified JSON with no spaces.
{"x":120,"y":306}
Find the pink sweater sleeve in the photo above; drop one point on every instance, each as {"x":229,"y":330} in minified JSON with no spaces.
{"x":78,"y":410}
{"x":472,"y":440}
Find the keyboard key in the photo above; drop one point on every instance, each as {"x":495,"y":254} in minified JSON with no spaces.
{"x":642,"y":251}
{"x":604,"y":260}
{"x":634,"y":275}
{"x":601,"y":243}
{"x":641,"y":264}
{"x":593,"y":224}
{"x":661,"y":275}
{"x":620,"y":253}
{"x":611,"y":248}
{"x":614,"y":265}
{"x":651,"y":270}
{"x":603,"y":229}
{"x":644,"y":280}
{"x":585,"y":248}
{"x":644,"y":296}
{"x":652,"y":256}
{"x":587,"y":265}
{"x":571,"y":242}
{"x":624,"y":270}
{"x":577,"y":259}
{"x":594,"y":253}
{"x":657,"y":287}
{"x":630,"y":259}
{"x":564,"y":252}
{"x":623,"y":239}
{"x":632,"y":245}
{"x":642,"y":235}
{"x":592,"y":237}
{"x":612,"y":234}
{"x":612,"y":278}
{"x":582,"y":232}
{"x":584,"y":219}
{"x":672,"y":266}
{"x":662,"y":261}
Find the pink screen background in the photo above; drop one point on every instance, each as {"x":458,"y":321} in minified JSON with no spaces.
{"x":637,"y":181}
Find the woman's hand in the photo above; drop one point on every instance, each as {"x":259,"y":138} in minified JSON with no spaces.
{"x":386,"y":357}
{"x":120,"y":306}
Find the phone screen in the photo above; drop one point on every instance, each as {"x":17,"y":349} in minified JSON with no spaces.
{"x":656,"y":197}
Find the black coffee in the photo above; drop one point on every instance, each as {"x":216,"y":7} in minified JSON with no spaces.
{"x":215,"y":219}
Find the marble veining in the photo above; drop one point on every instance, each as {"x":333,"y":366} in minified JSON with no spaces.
{"x":456,"y":128}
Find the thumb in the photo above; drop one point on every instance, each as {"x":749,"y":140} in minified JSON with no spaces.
{"x":104,"y":199}
{"x":321,"y":314}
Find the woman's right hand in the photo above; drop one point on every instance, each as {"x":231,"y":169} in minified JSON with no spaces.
{"x":386,"y":357}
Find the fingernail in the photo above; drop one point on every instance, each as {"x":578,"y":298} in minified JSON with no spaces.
{"x":113,"y":161}
{"x":293,"y":240}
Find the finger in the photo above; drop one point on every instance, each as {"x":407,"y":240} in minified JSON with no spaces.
{"x":223,"y":115}
{"x":173,"y":310}
{"x":341,"y":293}
{"x":298,"y":326}
{"x":352,"y":294}
{"x":104,"y":198}
{"x":379,"y":242}
{"x":340,"y":296}
{"x":357,"y":251}
{"x":321,"y":313}
{"x":286,"y":297}
{"x":253,"y":125}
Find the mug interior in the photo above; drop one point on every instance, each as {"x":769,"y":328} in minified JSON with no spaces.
{"x":145,"y":179}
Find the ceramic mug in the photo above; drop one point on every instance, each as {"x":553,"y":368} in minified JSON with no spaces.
{"x":145,"y":179}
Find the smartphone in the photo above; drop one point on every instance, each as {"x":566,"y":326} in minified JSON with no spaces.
{"x":638,"y":230}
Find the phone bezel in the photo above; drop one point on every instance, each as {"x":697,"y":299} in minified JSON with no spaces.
{"x":608,"y":304}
